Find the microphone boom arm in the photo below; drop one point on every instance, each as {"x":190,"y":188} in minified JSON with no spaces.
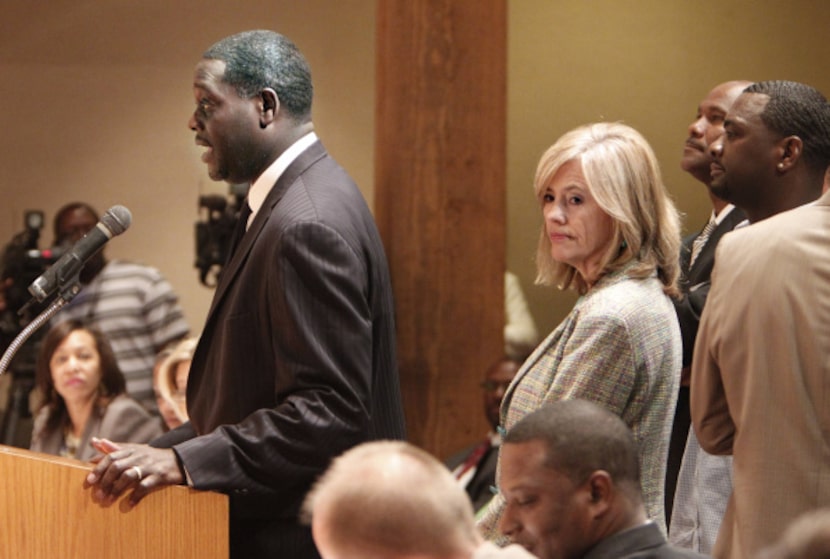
{"x":66,"y":295}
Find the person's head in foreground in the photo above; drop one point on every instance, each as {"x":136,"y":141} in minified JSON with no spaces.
{"x":390,"y":499}
{"x":570,"y":477}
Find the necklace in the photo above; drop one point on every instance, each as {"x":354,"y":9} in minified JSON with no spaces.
{"x":70,"y":443}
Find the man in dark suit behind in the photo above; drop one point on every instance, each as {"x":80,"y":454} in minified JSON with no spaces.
{"x":296,"y":362}
{"x":697,"y":258}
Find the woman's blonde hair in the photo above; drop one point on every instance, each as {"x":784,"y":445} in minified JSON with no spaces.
{"x":183,"y":351}
{"x":624,"y":178}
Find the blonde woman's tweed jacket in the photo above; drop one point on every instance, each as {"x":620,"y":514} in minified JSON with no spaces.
{"x":619,"y":347}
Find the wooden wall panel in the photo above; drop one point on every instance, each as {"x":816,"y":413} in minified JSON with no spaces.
{"x":440,"y":203}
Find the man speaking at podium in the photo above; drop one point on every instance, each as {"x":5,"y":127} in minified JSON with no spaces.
{"x":297,"y":361}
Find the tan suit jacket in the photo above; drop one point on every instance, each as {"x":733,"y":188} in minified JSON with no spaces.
{"x":761,"y":373}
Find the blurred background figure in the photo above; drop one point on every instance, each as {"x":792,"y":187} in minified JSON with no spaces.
{"x":610,"y":232}
{"x":412,"y":508}
{"x":520,"y":332}
{"x":165,"y":409}
{"x":132,"y":304}
{"x":475,"y":466}
{"x":170,"y":382}
{"x":84,"y":395}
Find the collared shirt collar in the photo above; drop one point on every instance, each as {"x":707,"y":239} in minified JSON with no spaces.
{"x":747,"y":223}
{"x":266,"y":181}
{"x":723,"y":213}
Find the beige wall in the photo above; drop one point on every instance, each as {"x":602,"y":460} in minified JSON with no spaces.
{"x":646,"y":63}
{"x":95,"y":97}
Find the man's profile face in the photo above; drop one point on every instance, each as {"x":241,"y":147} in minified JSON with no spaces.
{"x":706,"y":128}
{"x":226,"y":125}
{"x":745,"y":155}
{"x":545,"y":511}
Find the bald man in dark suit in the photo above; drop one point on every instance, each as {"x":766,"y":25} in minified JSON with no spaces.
{"x":697,"y":258}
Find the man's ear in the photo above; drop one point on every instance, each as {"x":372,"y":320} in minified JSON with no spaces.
{"x":269,"y":106}
{"x":600,"y":487}
{"x":791,"y":148}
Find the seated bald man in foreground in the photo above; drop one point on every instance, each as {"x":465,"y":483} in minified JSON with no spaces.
{"x":392,"y":500}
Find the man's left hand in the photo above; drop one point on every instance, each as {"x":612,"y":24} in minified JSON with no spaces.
{"x":125,"y":466}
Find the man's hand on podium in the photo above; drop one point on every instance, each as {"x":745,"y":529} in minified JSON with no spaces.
{"x":126,"y":466}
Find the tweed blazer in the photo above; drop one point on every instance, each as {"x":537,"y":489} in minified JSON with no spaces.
{"x":760,"y":386}
{"x":619,"y":347}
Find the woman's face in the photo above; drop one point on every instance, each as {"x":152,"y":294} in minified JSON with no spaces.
{"x":578,"y":230}
{"x":76,"y":367}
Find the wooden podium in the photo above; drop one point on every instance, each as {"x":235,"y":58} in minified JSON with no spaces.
{"x":46,"y":512}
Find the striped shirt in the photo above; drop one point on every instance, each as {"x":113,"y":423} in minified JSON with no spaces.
{"x":136,"y":308}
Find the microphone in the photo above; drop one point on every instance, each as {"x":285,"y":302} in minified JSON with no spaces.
{"x":115,"y":221}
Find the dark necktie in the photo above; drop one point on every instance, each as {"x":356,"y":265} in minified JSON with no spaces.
{"x":241,"y":227}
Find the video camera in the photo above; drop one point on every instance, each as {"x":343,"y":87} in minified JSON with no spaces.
{"x":22,"y":263}
{"x":215,"y":231}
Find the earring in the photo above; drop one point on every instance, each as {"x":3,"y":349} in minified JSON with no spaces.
{"x":780,"y":166}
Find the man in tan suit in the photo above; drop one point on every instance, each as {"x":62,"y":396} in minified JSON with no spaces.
{"x":760,"y":384}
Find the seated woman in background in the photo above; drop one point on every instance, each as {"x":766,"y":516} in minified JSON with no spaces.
{"x":610,"y":232}
{"x":83,"y":393}
{"x":171,"y":383}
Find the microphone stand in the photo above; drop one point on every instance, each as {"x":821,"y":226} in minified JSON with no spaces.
{"x":67,"y":294}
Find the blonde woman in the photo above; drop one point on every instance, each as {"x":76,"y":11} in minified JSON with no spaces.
{"x":610,"y":232}
{"x":171,"y":383}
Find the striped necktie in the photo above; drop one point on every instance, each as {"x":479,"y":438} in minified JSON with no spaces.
{"x":700,"y":240}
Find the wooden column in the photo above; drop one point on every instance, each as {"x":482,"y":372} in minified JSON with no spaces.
{"x":440,"y":159}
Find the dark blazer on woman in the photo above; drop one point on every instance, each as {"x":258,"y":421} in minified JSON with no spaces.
{"x":123,"y":420}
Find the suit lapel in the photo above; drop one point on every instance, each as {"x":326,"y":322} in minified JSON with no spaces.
{"x":705,"y":260}
{"x":314,"y":152}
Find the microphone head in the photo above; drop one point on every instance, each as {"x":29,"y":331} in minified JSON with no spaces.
{"x":117,"y":219}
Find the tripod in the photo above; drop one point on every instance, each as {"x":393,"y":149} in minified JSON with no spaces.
{"x":17,"y":420}
{"x":22,"y":383}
